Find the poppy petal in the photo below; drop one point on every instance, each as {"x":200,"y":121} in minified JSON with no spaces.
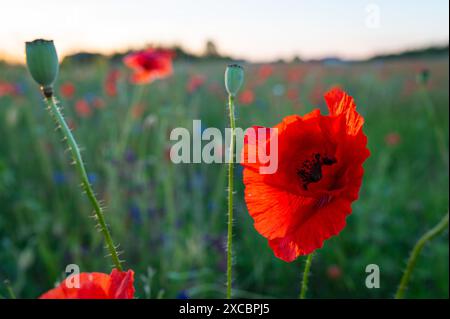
{"x":91,"y":286}
{"x":340,"y":102}
{"x":117,"y":285}
{"x":311,"y":234}
{"x":273,"y":213}
{"x":121,"y":286}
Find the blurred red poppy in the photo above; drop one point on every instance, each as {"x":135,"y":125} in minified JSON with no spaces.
{"x":308,"y":198}
{"x":67,"y":90}
{"x":265,"y":71}
{"x":82,"y":108}
{"x":247,"y":97}
{"x":95,"y":285}
{"x":149,"y":65}
{"x":195,"y":82}
{"x":98,"y":102}
{"x":111,"y":82}
{"x":295,"y":74}
{"x":334,"y":272}
{"x":6,"y":89}
{"x":392,"y":139}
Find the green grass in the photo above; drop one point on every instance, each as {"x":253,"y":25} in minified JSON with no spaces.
{"x":171,"y":221}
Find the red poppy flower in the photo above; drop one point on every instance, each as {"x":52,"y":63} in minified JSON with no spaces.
{"x":82,"y":108}
{"x":334,"y":272}
{"x":98,"y":102}
{"x":308,"y":198}
{"x":6,"y":89}
{"x":195,"y":82}
{"x":95,"y":285}
{"x":111,"y":82}
{"x":265,"y":71}
{"x":294,"y":75}
{"x":149,"y":65}
{"x":67,"y":90}
{"x":392,"y":139}
{"x":246,"y":97}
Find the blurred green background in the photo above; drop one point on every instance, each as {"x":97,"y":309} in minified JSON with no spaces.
{"x":170,"y":220}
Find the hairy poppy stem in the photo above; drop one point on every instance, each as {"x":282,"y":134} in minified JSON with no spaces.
{"x":306,"y":276}
{"x":78,"y":162}
{"x":230,"y":196}
{"x":429,"y":235}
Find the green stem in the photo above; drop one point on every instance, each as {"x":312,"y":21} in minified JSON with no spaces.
{"x":78,"y":162}
{"x":438,"y":132}
{"x":230,"y":197}
{"x":9,"y":289}
{"x":429,"y":235}
{"x":129,"y":121}
{"x":306,"y":276}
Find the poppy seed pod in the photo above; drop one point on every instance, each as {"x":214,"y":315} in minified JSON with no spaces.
{"x":42,"y":62}
{"x":234,"y":77}
{"x":423,"y":77}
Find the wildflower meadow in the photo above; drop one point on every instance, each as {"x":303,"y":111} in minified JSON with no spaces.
{"x":152,"y":174}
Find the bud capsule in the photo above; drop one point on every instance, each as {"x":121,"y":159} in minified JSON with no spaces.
{"x":42,"y":62}
{"x":234,"y":77}
{"x":423,"y":77}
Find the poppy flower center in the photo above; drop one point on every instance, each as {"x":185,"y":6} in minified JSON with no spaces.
{"x":311,"y":169}
{"x":148,"y":64}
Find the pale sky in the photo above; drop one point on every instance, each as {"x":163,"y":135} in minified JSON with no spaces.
{"x":257,"y":30}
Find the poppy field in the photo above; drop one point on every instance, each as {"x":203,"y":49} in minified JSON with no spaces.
{"x":362,"y":175}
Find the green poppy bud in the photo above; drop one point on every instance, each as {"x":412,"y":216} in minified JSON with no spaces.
{"x":423,"y":77}
{"x":234,"y":77}
{"x":42,"y":62}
